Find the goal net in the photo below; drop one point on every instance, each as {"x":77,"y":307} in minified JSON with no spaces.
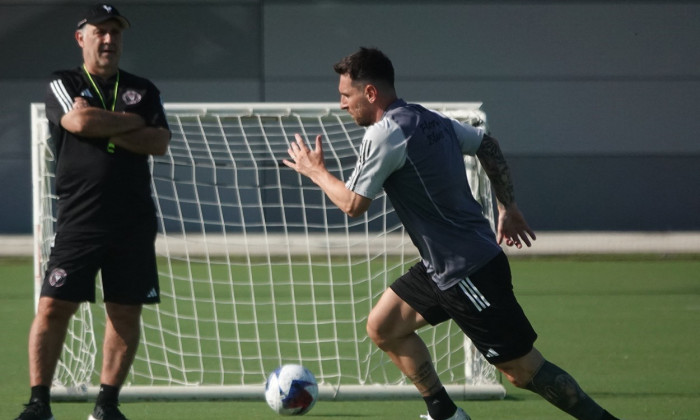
{"x":257,"y":268}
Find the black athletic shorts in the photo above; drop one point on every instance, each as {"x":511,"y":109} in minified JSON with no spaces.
{"x":126,"y":260}
{"x":483,"y":305}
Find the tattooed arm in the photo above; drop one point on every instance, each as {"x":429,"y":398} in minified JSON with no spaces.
{"x":511,"y":222}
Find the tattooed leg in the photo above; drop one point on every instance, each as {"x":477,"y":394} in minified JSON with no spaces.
{"x":425,"y":378}
{"x":561,"y":390}
{"x":438,"y":402}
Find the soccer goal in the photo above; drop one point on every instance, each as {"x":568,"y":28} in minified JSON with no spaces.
{"x":257,"y":267}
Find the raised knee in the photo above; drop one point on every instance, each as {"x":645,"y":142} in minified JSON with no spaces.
{"x":378,"y":332}
{"x":373,"y":331}
{"x":518,"y":381}
{"x":521,"y":370}
{"x":520,"y":375}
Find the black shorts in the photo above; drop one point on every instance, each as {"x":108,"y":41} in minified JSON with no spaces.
{"x":126,"y":260}
{"x":483,"y":305}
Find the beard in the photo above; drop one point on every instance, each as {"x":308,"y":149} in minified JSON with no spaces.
{"x":362,"y":117}
{"x":363,"y":122}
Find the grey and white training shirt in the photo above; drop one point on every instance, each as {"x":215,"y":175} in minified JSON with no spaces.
{"x":416,"y":156}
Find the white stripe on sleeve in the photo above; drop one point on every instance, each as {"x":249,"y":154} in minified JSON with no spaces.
{"x":60,"y":92}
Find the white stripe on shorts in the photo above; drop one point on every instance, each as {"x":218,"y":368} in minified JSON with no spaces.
{"x":478,"y":299}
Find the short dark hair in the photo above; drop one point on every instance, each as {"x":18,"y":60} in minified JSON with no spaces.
{"x":367,"y":65}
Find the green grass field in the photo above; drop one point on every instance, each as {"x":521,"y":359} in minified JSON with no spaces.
{"x":626,"y":328}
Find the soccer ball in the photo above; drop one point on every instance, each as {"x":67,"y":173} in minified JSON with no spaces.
{"x":291,"y":390}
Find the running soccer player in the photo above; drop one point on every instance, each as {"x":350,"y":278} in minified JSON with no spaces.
{"x":104,"y":123}
{"x":416,"y":156}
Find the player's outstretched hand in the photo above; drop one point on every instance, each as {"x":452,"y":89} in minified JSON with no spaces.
{"x":304,"y":160}
{"x":513,"y":228}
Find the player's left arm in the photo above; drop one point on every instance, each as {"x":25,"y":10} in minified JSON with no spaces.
{"x":511,"y":223}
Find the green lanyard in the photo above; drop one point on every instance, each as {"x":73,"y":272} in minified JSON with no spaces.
{"x":110,"y":145}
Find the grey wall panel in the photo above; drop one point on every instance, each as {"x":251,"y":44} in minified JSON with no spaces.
{"x":625,"y":193}
{"x":567,"y":86}
{"x":558,"y":118}
{"x":16,"y":205}
{"x":193,"y":40}
{"x":209,"y":90}
{"x":15,"y":153}
{"x":573,"y":78}
{"x":492,"y":40}
{"x":588,"y":117}
{"x":14,"y":117}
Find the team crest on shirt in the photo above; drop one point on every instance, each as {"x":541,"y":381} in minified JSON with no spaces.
{"x":57,"y":278}
{"x":131,"y":97}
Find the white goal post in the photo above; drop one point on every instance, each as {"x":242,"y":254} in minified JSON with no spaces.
{"x":257,"y":268}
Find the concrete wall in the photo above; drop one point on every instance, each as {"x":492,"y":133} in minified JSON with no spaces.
{"x":594,"y":102}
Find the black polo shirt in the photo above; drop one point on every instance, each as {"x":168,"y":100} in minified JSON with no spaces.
{"x":101,"y":188}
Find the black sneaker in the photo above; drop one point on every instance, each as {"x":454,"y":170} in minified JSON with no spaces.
{"x":106,"y":412}
{"x":36,"y":410}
